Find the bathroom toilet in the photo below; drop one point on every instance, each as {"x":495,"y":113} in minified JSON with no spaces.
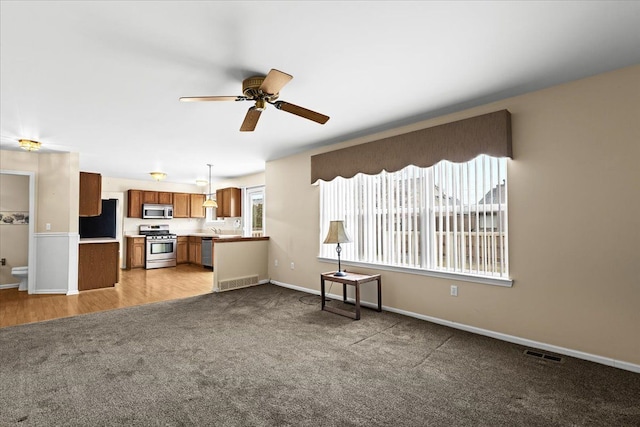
{"x":21,"y":273}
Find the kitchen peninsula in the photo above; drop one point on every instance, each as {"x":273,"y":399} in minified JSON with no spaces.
{"x":237,"y":261}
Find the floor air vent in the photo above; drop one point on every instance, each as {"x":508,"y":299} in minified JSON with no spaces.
{"x":237,"y":283}
{"x":544,"y":356}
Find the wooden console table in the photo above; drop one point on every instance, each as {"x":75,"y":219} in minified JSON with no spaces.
{"x":351,"y":279}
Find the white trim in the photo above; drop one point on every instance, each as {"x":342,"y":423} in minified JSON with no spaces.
{"x":58,"y":254}
{"x":10,"y":285}
{"x":247,"y":209}
{"x":484,"y":280}
{"x":31,"y":273}
{"x":608,"y":361}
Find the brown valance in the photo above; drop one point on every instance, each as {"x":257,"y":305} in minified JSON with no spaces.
{"x":458,"y":142}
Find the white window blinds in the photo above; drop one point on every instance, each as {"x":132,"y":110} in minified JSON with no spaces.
{"x":448,"y":217}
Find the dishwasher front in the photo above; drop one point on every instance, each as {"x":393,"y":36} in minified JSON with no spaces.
{"x":207,"y":252}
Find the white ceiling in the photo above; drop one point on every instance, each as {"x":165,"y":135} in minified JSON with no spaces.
{"x":103,"y":78}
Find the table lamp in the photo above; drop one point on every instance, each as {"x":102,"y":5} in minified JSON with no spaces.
{"x":337,"y":234}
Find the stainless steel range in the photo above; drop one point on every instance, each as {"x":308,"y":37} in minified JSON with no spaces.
{"x":161,"y":246}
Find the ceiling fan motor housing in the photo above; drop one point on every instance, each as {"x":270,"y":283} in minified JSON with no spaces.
{"x":251,"y":89}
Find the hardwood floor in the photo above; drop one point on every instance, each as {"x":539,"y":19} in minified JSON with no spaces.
{"x":136,"y":287}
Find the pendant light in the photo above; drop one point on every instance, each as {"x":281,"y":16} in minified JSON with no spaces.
{"x":209,"y":203}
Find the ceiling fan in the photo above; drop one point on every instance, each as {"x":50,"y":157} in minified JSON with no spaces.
{"x":263,"y":90}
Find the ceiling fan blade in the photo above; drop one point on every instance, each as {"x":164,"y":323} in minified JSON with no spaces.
{"x":275,"y":81}
{"x":212,"y":98}
{"x":250,"y":120}
{"x":302,"y":112}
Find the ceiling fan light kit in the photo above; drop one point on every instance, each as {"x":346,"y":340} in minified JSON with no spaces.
{"x":29,"y":145}
{"x":263,"y":90}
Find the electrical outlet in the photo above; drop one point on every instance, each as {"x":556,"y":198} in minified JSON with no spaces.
{"x":293,"y":266}
{"x":47,"y":226}
{"x":275,"y":263}
{"x":454,"y":291}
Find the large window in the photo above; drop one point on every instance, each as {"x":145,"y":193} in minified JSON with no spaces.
{"x":446,"y":218}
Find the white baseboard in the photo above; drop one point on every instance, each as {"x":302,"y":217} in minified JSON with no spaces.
{"x":497,"y":335}
{"x":10,"y":285}
{"x":51,"y":291}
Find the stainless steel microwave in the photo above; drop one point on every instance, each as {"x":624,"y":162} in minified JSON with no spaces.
{"x":150,"y":211}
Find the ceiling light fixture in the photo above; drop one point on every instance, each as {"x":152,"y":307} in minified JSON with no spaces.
{"x":29,"y":145}
{"x":201,"y":182}
{"x":209,"y":203}
{"x":158,"y":176}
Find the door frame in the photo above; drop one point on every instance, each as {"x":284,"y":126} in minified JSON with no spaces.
{"x":31,"y":275}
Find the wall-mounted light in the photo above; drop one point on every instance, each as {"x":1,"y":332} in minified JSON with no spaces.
{"x":158,"y":176}
{"x":29,"y":145}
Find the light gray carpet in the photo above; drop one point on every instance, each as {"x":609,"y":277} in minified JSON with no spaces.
{"x":267,"y":356}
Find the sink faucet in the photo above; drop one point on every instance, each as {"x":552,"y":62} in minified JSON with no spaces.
{"x":215,"y":230}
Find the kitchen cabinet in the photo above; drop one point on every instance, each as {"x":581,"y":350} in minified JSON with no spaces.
{"x":181,"y":205}
{"x":90,"y":194}
{"x":135,"y":252}
{"x":98,"y":265}
{"x":165,"y":198}
{"x":134,"y":204}
{"x":195,"y":202}
{"x":229,"y":202}
{"x":182,"y":250}
{"x":195,"y":250}
{"x":150,"y":197}
{"x":185,"y":205}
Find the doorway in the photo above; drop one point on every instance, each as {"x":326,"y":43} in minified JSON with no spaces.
{"x":254,"y":211}
{"x":17,"y":207}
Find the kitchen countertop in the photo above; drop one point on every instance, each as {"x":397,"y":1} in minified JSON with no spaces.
{"x":98,"y":240}
{"x":239,"y":239}
{"x":217,"y":237}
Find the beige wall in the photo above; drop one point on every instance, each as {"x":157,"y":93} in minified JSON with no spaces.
{"x":242,"y":181}
{"x":573,"y":222}
{"x":14,"y":239}
{"x":58,"y":192}
{"x":57,"y":186}
{"x":233,"y":260}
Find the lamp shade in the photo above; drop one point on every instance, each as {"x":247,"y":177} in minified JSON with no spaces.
{"x":337,"y":233}
{"x":209,"y":203}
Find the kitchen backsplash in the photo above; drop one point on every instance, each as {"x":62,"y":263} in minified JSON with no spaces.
{"x":186,"y":225}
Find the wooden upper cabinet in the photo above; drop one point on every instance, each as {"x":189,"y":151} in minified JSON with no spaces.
{"x":134,"y":204}
{"x":185,"y":205}
{"x":229,"y":202}
{"x":150,"y":197}
{"x":181,"y":205}
{"x":196,"y":201}
{"x":165,"y":198}
{"x":90,"y":194}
